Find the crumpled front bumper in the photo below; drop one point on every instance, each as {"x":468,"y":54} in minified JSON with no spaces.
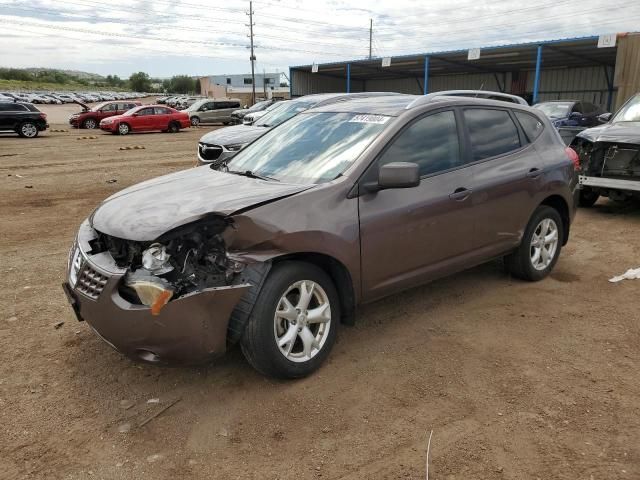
{"x":190,"y":329}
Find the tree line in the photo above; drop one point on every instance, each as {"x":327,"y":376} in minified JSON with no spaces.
{"x":139,"y":82}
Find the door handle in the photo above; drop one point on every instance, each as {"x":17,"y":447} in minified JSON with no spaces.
{"x":460,"y":194}
{"x":534,"y":173}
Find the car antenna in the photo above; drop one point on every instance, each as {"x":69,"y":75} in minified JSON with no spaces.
{"x":480,"y":89}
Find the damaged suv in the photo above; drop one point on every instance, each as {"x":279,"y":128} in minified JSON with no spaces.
{"x":307,"y":222}
{"x":610,"y":156}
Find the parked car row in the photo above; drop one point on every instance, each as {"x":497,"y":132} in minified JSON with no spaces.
{"x":69,"y":97}
{"x":303,"y":221}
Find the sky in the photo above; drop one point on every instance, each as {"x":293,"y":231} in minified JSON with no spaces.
{"x":194,"y":37}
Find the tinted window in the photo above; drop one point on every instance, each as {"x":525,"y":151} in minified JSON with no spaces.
{"x":161,"y":111}
{"x":12,"y":107}
{"x":145,"y":111}
{"x":531,"y":125}
{"x":111,"y":107}
{"x":431,"y":142}
{"x":577,"y":108}
{"x":492,"y":132}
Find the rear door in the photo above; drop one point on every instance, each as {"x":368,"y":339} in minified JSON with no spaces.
{"x":161,"y":118}
{"x":507,"y":175}
{"x":412,"y":235}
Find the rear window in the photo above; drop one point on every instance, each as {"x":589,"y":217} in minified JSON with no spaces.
{"x":491,"y":132}
{"x":530,"y":124}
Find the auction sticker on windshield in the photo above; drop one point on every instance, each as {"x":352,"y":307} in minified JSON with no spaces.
{"x":380,"y":119}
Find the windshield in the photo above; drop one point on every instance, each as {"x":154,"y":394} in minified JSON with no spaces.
{"x":310,"y":148}
{"x":630,"y":111}
{"x":555,"y":109}
{"x":258,"y":106}
{"x":283,"y":112}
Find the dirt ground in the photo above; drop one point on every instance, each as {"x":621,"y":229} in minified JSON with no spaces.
{"x":516,"y":380}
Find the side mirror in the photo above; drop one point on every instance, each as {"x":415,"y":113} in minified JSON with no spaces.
{"x":604,"y":117}
{"x":396,"y":175}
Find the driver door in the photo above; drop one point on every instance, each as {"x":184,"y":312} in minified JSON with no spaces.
{"x":144,"y":120}
{"x":412,"y":235}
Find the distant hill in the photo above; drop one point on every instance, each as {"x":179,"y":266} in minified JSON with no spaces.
{"x":72,"y":73}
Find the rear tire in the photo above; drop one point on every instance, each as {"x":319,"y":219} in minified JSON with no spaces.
{"x":540,"y":248}
{"x":195,"y":121}
{"x":286,"y":336}
{"x":588,"y":197}
{"x":28,"y":130}
{"x":174,"y":127}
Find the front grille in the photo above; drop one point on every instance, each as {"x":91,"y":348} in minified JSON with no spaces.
{"x":90,"y":282}
{"x":209,"y":152}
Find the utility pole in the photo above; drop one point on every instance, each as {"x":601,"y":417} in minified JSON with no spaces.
{"x":370,"y":37}
{"x":253,"y":57}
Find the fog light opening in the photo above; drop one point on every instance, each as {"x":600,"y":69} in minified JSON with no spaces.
{"x":148,"y":356}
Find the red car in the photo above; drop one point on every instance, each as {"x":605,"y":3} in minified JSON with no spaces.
{"x":91,"y":117}
{"x":147,"y":118}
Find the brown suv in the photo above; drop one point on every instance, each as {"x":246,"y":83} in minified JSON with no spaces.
{"x":340,"y":205}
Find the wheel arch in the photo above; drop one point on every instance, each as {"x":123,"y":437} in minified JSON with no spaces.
{"x":558,"y":203}
{"x":338,"y":273}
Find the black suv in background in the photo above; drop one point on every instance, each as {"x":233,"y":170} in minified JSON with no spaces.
{"x":22,"y":118}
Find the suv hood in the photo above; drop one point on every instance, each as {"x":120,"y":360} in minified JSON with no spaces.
{"x":145,"y":211}
{"x":624,"y":132}
{"x":238,"y":134}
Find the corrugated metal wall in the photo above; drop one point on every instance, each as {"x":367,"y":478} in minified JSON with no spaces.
{"x":485,"y":81}
{"x":305,"y":83}
{"x":627,"y":76}
{"x":586,"y":83}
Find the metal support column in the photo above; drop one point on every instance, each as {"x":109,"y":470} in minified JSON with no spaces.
{"x":426,"y":75}
{"x":536,"y":82}
{"x":609,"y":78}
{"x":348,"y":78}
{"x":290,"y":83}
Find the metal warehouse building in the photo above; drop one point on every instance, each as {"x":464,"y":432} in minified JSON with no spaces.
{"x":603,"y":70}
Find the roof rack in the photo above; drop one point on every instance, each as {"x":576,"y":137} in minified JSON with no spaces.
{"x":486,"y":94}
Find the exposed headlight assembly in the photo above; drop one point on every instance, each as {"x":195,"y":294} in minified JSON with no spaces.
{"x":152,"y":291}
{"x":156,"y":259}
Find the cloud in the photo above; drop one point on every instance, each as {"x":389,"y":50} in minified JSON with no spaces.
{"x":123,"y":36}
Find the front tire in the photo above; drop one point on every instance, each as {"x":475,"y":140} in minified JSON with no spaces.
{"x":28,"y":130}
{"x":123,"y":129}
{"x":90,"y":123}
{"x":195,"y":121}
{"x":588,"y":197}
{"x":294,"y":321}
{"x":540,"y":247}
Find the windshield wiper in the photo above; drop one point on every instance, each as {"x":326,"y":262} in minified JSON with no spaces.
{"x":250,"y":174}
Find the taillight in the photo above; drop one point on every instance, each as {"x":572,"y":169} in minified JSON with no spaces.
{"x":573,"y":156}
{"x":43,"y":116}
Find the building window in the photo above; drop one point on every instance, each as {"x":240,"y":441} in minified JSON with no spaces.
{"x":268,"y":80}
{"x":228,"y":81}
{"x":248,"y":81}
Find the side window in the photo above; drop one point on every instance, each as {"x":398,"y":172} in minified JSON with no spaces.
{"x":589,"y":108}
{"x":109,"y":107}
{"x":431,"y":142}
{"x":161,"y":111}
{"x":5,"y":107}
{"x":220,"y":105}
{"x":234,"y":104}
{"x":491,"y":132}
{"x":209,"y":106}
{"x":530,"y":124}
{"x":145,"y":111}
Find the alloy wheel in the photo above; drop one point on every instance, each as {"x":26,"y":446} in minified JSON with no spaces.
{"x":302,"y":321}
{"x":544,"y":244}
{"x":123,"y":128}
{"x":29,"y":130}
{"x":90,"y":123}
